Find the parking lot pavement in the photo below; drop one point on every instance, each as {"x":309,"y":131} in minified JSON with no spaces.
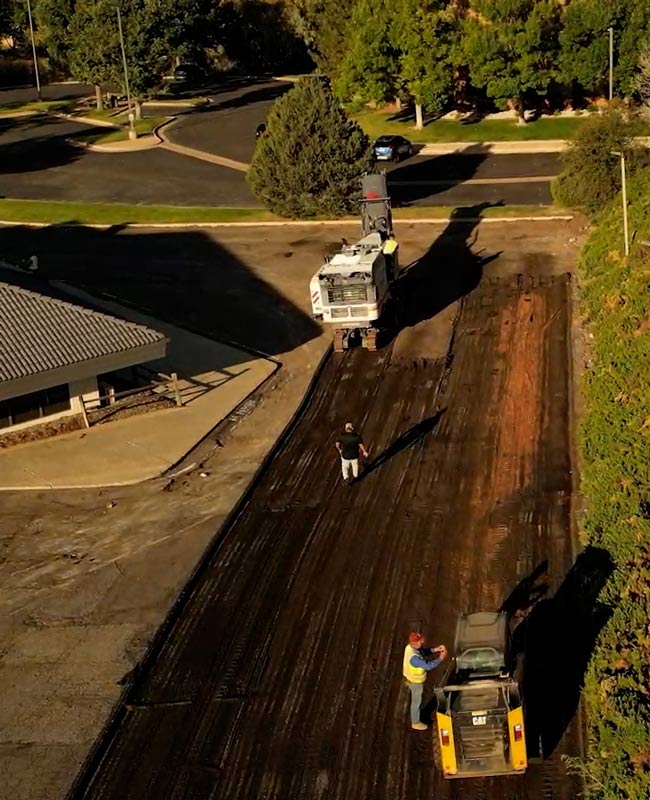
{"x":226,"y":127}
{"x":38,"y":163}
{"x":53,"y":91}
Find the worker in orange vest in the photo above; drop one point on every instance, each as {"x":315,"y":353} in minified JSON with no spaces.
{"x":418,"y":661}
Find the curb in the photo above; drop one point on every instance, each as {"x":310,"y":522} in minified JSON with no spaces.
{"x":289,"y":223}
{"x":95,"y":123}
{"x":147,"y":142}
{"x":192,"y":152}
{"x":528,"y":147}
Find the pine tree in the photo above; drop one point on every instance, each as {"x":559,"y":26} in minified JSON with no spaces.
{"x":313,"y":156}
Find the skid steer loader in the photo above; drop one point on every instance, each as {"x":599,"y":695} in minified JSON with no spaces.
{"x":479,"y":721}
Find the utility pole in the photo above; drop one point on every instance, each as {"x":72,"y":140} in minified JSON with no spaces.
{"x":611,"y":64}
{"x":31,"y":30}
{"x":626,"y":233}
{"x":132,"y":131}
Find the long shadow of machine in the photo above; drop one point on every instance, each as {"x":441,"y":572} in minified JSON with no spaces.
{"x":447,"y":271}
{"x":186,"y":278}
{"x":557,"y":636}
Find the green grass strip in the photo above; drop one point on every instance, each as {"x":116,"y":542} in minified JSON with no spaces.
{"x":59,"y":213}
{"x":376,"y":123}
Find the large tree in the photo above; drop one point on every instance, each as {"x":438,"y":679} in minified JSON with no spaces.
{"x":511,"y":48}
{"x":424,"y":31}
{"x":370,"y":71}
{"x":326,"y":27}
{"x":53,"y":18}
{"x":94,"y":54}
{"x":312,"y":159}
{"x":584,"y":57}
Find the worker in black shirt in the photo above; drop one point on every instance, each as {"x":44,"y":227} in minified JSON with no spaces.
{"x":350,"y":447}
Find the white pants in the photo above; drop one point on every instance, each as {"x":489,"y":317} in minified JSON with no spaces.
{"x":347,"y":464}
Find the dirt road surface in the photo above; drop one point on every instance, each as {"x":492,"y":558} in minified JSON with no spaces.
{"x":280,"y":674}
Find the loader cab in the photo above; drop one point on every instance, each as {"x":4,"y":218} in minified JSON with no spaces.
{"x":479,"y":714}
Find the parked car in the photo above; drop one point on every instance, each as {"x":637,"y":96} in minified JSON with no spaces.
{"x":187,"y":74}
{"x":392,"y":148}
{"x":260,"y":130}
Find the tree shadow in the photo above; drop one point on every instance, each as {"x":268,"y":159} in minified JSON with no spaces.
{"x":35,"y":143}
{"x":186,"y":278}
{"x":409,"y":438}
{"x":448,"y":270}
{"x":256,"y":95}
{"x":423,"y":177}
{"x":557,"y":639}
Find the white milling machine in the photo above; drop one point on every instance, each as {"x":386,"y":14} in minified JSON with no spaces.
{"x":352,"y":290}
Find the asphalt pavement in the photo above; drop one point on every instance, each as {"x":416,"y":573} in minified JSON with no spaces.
{"x":17,"y":95}
{"x":39,"y":163}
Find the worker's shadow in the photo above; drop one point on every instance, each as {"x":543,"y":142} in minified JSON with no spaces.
{"x":409,"y":438}
{"x":448,"y":271}
{"x":526,"y":594}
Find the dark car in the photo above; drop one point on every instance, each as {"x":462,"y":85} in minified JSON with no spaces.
{"x":260,"y":130}
{"x":392,"y":148}
{"x":187,"y":74}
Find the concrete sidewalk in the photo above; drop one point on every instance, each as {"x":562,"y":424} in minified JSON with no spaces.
{"x":492,"y":148}
{"x":215,"y":379}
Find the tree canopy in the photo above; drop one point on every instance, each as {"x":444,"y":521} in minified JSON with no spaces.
{"x":511,"y":47}
{"x":311,"y":160}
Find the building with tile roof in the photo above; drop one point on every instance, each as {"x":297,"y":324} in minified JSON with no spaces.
{"x":53,"y":350}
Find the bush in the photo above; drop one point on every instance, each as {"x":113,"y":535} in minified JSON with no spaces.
{"x":590,"y":174}
{"x":311,"y":161}
{"x":615,"y":452}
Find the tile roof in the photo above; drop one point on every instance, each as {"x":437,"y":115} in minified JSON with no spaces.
{"x":39,"y":333}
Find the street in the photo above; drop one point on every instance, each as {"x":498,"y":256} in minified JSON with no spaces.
{"x":38,"y":162}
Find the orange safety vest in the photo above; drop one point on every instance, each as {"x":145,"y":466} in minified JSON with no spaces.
{"x":411,"y":673}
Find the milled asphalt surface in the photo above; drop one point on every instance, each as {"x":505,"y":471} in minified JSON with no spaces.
{"x":37,"y":162}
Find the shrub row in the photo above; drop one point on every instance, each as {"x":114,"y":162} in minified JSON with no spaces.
{"x":615,"y":453}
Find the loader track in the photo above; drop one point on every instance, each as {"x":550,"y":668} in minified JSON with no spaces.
{"x":278,"y":676}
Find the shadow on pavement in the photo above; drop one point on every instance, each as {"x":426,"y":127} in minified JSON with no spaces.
{"x":557,"y":638}
{"x":185,"y":278}
{"x":417,"y":179}
{"x":35,"y":143}
{"x":255,"y":95}
{"x":448,"y":270}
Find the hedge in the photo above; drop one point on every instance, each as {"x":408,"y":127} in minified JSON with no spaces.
{"x":614,"y":444}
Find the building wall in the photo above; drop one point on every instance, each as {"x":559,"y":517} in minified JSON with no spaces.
{"x":85,"y":388}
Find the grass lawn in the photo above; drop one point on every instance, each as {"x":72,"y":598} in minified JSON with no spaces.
{"x":57,"y":213}
{"x":106,"y":135}
{"x":376,"y":123}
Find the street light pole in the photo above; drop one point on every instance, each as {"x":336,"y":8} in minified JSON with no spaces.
{"x":611,"y":64}
{"x":132,"y":131}
{"x":626,"y":234}
{"x":31,"y":30}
